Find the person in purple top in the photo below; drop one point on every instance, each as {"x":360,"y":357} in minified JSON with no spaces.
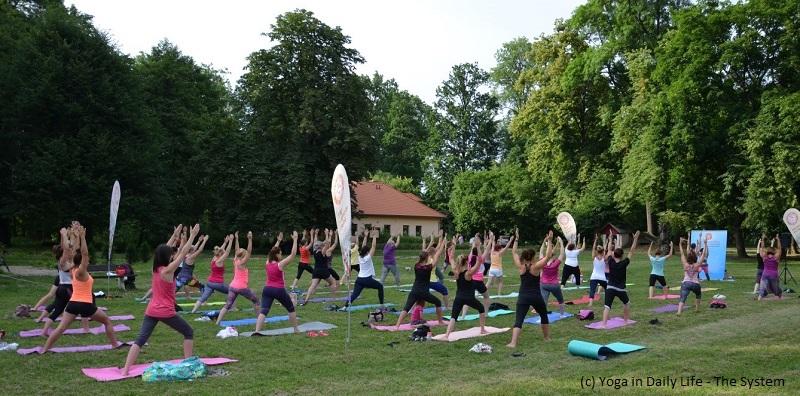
{"x":390,"y":260}
{"x":769,"y":278}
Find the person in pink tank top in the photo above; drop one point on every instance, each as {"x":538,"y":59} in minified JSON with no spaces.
{"x":216,"y":281}
{"x":241,"y":277}
{"x":549,"y":283}
{"x":274,"y":287}
{"x":480,"y":258}
{"x":161,"y":307}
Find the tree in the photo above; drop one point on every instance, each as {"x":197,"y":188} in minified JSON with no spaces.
{"x":401,"y":183}
{"x":303,"y":110}
{"x":465,"y":136}
{"x":512,"y":60}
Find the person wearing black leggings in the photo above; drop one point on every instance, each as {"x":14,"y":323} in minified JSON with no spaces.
{"x":366,"y":271}
{"x":465,"y":294}
{"x":529,"y":293}
{"x":422,"y":281}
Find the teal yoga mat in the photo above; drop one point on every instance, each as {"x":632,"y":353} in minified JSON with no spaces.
{"x":310,"y":326}
{"x":600,"y":352}
{"x":362,"y":307}
{"x":491,"y":314}
{"x":552,"y":317}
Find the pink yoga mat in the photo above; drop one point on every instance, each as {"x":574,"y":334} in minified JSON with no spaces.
{"x":406,"y":326}
{"x":470,"y":333}
{"x":81,"y":348}
{"x":583,"y":300}
{"x":105,"y":374}
{"x":663,"y":297}
{"x":612,"y":323}
{"x":93,"y":330}
{"x":113,"y":318}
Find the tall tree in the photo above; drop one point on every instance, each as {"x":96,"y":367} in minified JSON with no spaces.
{"x":304,"y":109}
{"x":466,"y":133}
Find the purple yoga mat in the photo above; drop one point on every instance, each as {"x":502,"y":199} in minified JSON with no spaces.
{"x":112,"y":318}
{"x":105,"y":374}
{"x":80,"y":348}
{"x":327,"y":299}
{"x":666,"y":308}
{"x":612,"y":323}
{"x":93,"y":330}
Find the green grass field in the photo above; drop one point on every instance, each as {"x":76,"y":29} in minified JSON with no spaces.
{"x":748,"y":339}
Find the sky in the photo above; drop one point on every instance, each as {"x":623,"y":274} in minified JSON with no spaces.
{"x":416,"y":42}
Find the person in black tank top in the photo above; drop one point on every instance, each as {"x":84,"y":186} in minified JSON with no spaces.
{"x":465,"y":294}
{"x":421,"y":288}
{"x":529,"y":293}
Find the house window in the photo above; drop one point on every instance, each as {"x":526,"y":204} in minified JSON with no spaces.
{"x":367,"y":227}
{"x":418,"y":231}
{"x":387,"y":229}
{"x":405,"y":230}
{"x":353,"y":229}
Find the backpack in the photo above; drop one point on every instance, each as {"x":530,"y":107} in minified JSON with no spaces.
{"x":23,"y":311}
{"x":420,"y":333}
{"x":497,"y":306}
{"x":375,"y":316}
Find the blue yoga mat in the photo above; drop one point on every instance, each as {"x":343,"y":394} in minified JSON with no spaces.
{"x":600,"y":352}
{"x":252,"y":321}
{"x":491,"y":314}
{"x":552,"y":317}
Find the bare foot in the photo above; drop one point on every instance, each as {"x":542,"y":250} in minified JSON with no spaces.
{"x":483,"y":331}
{"x":511,"y":345}
{"x":441,"y":322}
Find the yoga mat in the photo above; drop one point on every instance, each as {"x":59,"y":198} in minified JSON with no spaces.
{"x":93,"y":330}
{"x":211,"y":304}
{"x":665,"y":297}
{"x":509,"y":295}
{"x":600,"y":352}
{"x":81,"y":348}
{"x":310,"y":326}
{"x":404,"y":326}
{"x":112,"y":318}
{"x":363,"y":307}
{"x":43,"y":308}
{"x":328,"y":299}
{"x":491,"y":314}
{"x":666,"y":308}
{"x":578,"y":301}
{"x":106,"y":374}
{"x":429,"y":310}
{"x":470,"y":333}
{"x":575,"y":288}
{"x":252,"y":321}
{"x":708,"y":289}
{"x":612,"y":323}
{"x":552,"y":317}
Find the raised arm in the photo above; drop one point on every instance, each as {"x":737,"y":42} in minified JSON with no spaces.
{"x":236,"y":239}
{"x":333,"y":245}
{"x":503,"y":250}
{"x":279,"y":240}
{"x":200,"y":246}
{"x":173,"y":239}
{"x":633,"y":246}
{"x":561,"y":254}
{"x":397,"y":242}
{"x":594,"y":245}
{"x":487,"y":252}
{"x":374,"y":242}
{"x":288,"y":259}
{"x":670,"y":250}
{"x":548,"y":253}
{"x":583,"y":245}
{"x":778,"y":251}
{"x":541,"y":247}
{"x":167,"y":273}
{"x":364,"y":242}
{"x":650,"y":250}
{"x":249,"y":246}
{"x":82,"y":270}
{"x":514,"y":253}
{"x":683,"y":252}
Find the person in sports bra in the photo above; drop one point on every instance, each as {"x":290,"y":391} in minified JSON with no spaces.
{"x":274,"y":286}
{"x":496,"y":268}
{"x":81,"y":302}
{"x":530,"y":295}
{"x":161,"y":307}
{"x":691,"y":282}
{"x":216,"y":280}
{"x":323,"y":252}
{"x":241,"y":277}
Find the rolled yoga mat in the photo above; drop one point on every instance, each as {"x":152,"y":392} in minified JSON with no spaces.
{"x":310,"y":326}
{"x":92,"y":330}
{"x":470,"y":333}
{"x":612,"y":323}
{"x":552,"y":317}
{"x":600,"y":352}
{"x":81,"y":348}
{"x":252,"y":321}
{"x":491,"y":314}
{"x":105,"y":374}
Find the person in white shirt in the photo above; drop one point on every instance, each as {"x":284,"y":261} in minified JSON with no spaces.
{"x":571,"y":263}
{"x":366,"y":271}
{"x":598,"y":278}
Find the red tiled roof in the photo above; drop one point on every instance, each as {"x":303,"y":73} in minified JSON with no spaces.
{"x":375,"y":198}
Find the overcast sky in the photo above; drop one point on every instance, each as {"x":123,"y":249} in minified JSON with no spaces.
{"x":416,"y":42}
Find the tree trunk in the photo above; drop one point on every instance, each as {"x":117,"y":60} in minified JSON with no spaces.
{"x":738,"y":236}
{"x":649,"y":218}
{"x":5,"y":231}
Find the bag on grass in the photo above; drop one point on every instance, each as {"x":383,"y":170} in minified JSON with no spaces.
{"x":23,"y":311}
{"x":420,"y":333}
{"x":186,"y":370}
{"x":481,"y":348}
{"x":375,"y":316}
{"x":497,"y":306}
{"x":586,"y":314}
{"x":228,"y":332}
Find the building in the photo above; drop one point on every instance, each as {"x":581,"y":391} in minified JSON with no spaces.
{"x":394,"y":212}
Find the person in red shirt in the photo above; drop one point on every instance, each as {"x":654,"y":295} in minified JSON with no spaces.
{"x":161,"y":307}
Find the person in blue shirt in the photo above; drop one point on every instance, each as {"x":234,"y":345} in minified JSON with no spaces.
{"x":657,"y":268}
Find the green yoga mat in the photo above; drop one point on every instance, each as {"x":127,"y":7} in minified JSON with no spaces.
{"x":212,"y":304}
{"x":600,"y":352}
{"x":491,"y":314}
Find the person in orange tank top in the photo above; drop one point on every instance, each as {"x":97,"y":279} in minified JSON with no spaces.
{"x":305,"y":256}
{"x":82,"y":300}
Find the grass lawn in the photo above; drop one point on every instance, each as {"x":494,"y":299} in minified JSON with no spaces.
{"x":748,"y":339}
